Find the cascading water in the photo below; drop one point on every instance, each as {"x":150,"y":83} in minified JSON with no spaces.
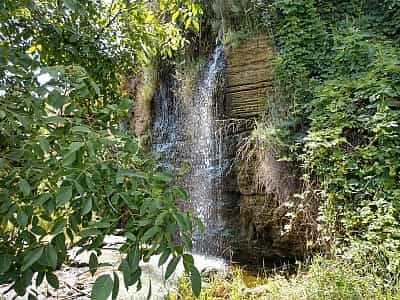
{"x":185,"y":133}
{"x":206,"y":174}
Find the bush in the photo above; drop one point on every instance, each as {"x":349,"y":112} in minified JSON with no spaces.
{"x":340,"y":75}
{"x":69,"y":174}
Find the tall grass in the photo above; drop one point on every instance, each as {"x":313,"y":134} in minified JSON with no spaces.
{"x":358,"y":278}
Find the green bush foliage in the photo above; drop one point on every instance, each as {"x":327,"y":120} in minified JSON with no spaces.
{"x":68,"y":174}
{"x":335,"y":279}
{"x":339,"y":67}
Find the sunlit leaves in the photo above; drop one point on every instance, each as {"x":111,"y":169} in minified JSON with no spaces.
{"x":341,"y":76}
{"x":67,"y":169}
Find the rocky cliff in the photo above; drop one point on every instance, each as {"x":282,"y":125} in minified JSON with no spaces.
{"x":274,"y":222}
{"x":249,"y":77}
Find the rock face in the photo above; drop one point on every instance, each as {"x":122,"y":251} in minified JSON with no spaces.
{"x":144,"y":89}
{"x":249,"y":77}
{"x":274,"y":224}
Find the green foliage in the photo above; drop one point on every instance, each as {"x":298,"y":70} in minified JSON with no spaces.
{"x":337,"y":279}
{"x":332,"y":279}
{"x":225,"y":15}
{"x":68,"y":174}
{"x":224,"y":285}
{"x":102,"y":288}
{"x":338,"y":66}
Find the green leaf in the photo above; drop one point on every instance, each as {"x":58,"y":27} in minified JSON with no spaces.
{"x":38,"y":230}
{"x":44,"y":144}
{"x":31,"y":257}
{"x":164,"y":257}
{"x":69,"y":158}
{"x":95,"y":87}
{"x":187,"y":241}
{"x":51,"y":256}
{"x":101,"y":224}
{"x":130,"y":236}
{"x":188,"y":22}
{"x":22,"y":218}
{"x":164,"y":177}
{"x":39,"y":278}
{"x":71,"y":4}
{"x":52,"y":280}
{"x":64,"y":195}
{"x":5,"y":262}
{"x":151,"y":232}
{"x":136,"y":276}
{"x":93,"y":263}
{"x":102,"y":288}
{"x":196,"y":25}
{"x":115,"y":290}
{"x":24,"y":187}
{"x":181,"y":221}
{"x":90,"y":183}
{"x":58,"y":226}
{"x":172,"y":266}
{"x":57,"y":100}
{"x":42,"y":199}
{"x":89,"y":232}
{"x":181,"y":193}
{"x":82,"y":129}
{"x":188,"y":260}
{"x":131,"y":147}
{"x":125,"y":269}
{"x":195,"y":278}
{"x":87,"y":207}
{"x":175,"y":16}
{"x":75,"y":146}
{"x":91,"y":150}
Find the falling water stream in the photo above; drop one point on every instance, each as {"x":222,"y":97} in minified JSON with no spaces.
{"x":185,"y":132}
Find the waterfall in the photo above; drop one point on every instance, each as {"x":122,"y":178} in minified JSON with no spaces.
{"x":185,"y":132}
